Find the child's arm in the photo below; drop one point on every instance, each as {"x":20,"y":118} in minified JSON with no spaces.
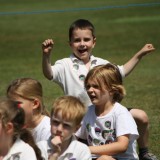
{"x":56,"y":142}
{"x":131,"y":64}
{"x":105,"y":157}
{"x":47,"y":46}
{"x":111,"y":149}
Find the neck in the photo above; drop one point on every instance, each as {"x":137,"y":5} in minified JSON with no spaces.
{"x":102,"y":110}
{"x":7,"y":145}
{"x":65,"y":144}
{"x":88,"y":65}
{"x":86,"y":61}
{"x":35,"y":121}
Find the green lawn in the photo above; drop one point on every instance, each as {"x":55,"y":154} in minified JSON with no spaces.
{"x":122,"y":28}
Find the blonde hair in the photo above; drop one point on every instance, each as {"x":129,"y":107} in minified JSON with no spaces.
{"x":108,"y":78}
{"x":29,"y":89}
{"x":71,"y":107}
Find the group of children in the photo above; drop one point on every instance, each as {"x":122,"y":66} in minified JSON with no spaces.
{"x":88,"y":122}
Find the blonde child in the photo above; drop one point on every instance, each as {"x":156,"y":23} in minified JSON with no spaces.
{"x":70,"y":72}
{"x":29,"y":94}
{"x":66,"y":115}
{"x":108,"y":127}
{"x":15,"y":139}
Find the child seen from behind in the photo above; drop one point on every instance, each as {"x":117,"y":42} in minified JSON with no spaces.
{"x":15,"y":139}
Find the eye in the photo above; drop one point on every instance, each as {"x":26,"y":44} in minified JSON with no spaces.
{"x":76,"y":40}
{"x":66,"y":125}
{"x":87,"y":39}
{"x":96,"y":86}
{"x":87,"y":87}
{"x":55,"y":122}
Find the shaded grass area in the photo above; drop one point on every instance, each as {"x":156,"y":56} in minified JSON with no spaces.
{"x":120,"y":32}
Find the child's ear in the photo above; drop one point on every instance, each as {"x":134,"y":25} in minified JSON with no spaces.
{"x":9,"y":128}
{"x":94,"y":42}
{"x":36,"y":103}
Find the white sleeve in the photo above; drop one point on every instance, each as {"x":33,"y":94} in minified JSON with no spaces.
{"x":84,"y":153}
{"x":121,"y":69}
{"x":125,"y":124}
{"x":28,"y":154}
{"x":42,"y":145}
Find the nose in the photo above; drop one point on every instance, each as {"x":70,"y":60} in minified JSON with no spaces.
{"x":60,"y":127}
{"x":90,"y":89}
{"x":82,"y":43}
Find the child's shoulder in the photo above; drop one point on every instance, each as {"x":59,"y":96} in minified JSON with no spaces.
{"x":63,"y":60}
{"x":119,"y":108}
{"x":80,"y":149}
{"x":20,"y":147}
{"x":99,"y":60}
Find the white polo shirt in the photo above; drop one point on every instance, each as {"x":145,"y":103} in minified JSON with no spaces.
{"x":70,"y":73}
{"x":75,"y":151}
{"x":20,"y":151}
{"x":43,"y":130}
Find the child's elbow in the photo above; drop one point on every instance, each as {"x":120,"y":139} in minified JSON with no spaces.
{"x":123,"y":142}
{"x":123,"y":148}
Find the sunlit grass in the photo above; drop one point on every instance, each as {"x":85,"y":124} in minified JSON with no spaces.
{"x":120,"y":32}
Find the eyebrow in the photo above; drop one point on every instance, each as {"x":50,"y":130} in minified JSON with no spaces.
{"x":64,"y":122}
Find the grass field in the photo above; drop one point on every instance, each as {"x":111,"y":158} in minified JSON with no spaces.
{"x":122,"y":28}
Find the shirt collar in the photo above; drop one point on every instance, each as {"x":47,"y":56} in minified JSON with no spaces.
{"x":69,"y":151}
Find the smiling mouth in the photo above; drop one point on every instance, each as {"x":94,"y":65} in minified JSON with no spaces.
{"x":82,"y":51}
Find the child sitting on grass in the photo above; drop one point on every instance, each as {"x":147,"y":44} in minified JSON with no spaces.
{"x":108,"y":127}
{"x":66,"y":116}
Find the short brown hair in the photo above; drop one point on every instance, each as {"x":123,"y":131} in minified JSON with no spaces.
{"x":81,"y":24}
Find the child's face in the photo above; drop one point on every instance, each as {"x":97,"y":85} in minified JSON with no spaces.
{"x":62,"y":128}
{"x":82,"y":43}
{"x":97,"y":96}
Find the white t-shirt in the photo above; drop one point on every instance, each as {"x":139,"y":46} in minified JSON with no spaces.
{"x":75,"y":151}
{"x":70,"y":73}
{"x":42,"y":130}
{"x":20,"y":151}
{"x":105,"y":129}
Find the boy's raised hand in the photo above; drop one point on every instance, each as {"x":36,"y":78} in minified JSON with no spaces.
{"x":47,"y":46}
{"x":146,"y":49}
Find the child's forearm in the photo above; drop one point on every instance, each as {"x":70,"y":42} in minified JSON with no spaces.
{"x":46,"y":66}
{"x":108,"y":149}
{"x":131,"y":64}
{"x":111,"y":149}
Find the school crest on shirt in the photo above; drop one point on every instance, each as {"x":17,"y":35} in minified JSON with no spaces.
{"x":15,"y":156}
